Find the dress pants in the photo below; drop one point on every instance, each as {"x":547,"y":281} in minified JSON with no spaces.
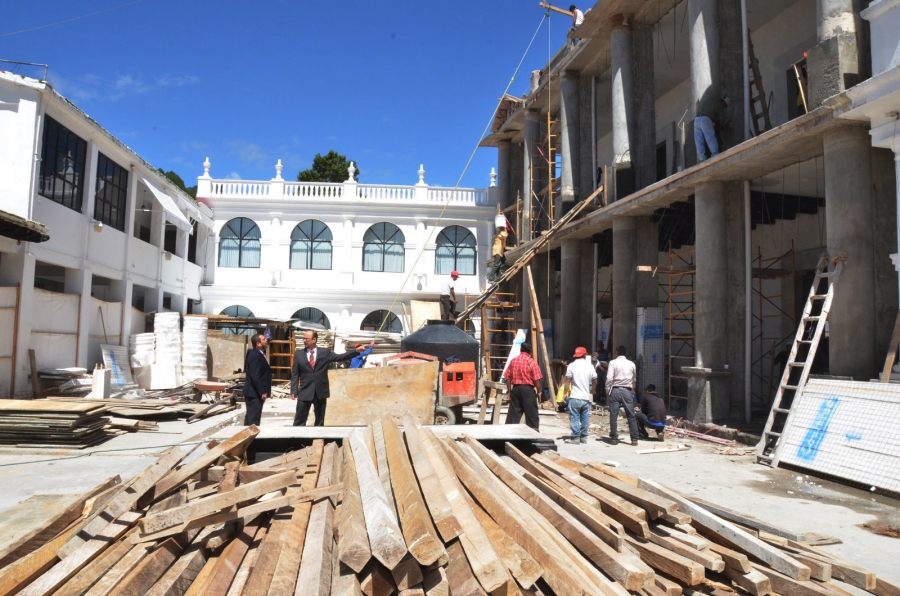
{"x":253,"y":406}
{"x":523,"y":400}
{"x":621,"y":397}
{"x":303,"y":412}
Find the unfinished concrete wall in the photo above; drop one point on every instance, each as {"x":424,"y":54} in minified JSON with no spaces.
{"x":731,"y":70}
{"x":644,"y":150}
{"x":586,"y":168}
{"x":736,"y":293}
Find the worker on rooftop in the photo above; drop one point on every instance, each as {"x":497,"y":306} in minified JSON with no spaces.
{"x":577,"y":17}
{"x":710,"y":116}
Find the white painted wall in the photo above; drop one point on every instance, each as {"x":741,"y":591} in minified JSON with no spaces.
{"x":18,"y":114}
{"x":884,"y":16}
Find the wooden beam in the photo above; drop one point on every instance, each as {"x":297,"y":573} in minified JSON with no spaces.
{"x":22,"y":572}
{"x":407,"y":573}
{"x":243,"y":572}
{"x":655,"y":505}
{"x":384,"y":473}
{"x":376,"y":580}
{"x":755,"y":583}
{"x":542,"y":344}
{"x":385,"y":537}
{"x":344,"y":581}
{"x":524,"y":568}
{"x":735,"y":560}
{"x":460,"y":578}
{"x":421,"y":537}
{"x":436,"y":582}
{"x":353,"y":541}
{"x":208,"y":505}
{"x":707,"y":559}
{"x":557,"y":9}
{"x":315,"y":573}
{"x":178,"y":578}
{"x":110,"y":580}
{"x":432,"y":491}
{"x":735,"y":537}
{"x":672,"y":564}
{"x":610,"y":471}
{"x":786,"y":586}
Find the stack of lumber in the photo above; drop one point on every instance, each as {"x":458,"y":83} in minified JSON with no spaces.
{"x":120,"y":426}
{"x":54,"y":424}
{"x":153,"y":409}
{"x":66,"y":381}
{"x":399,"y":512}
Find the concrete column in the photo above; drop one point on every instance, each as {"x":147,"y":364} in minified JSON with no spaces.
{"x":570,"y":144}
{"x":586,"y":295}
{"x":704,"y":38}
{"x":710,"y":320}
{"x":503,"y":172}
{"x":736,"y":304}
{"x":78,"y":281}
{"x":622,"y":102}
{"x":569,"y":296}
{"x":884,"y":242}
{"x":644,"y":151}
{"x":624,"y":283}
{"x":848,"y":221}
{"x":532,"y":136}
{"x":834,"y":63}
{"x":123,"y":291}
{"x":647,"y":238}
{"x":18,"y":269}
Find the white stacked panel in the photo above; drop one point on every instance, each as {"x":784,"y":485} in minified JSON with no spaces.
{"x":167,"y":333}
{"x":142,"y":348}
{"x":650,"y":354}
{"x":193,"y":349}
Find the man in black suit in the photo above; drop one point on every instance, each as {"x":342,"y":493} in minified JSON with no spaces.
{"x":258,"y":383}
{"x":309,"y":377}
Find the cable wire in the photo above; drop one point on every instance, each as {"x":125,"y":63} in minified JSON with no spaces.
{"x":84,"y":16}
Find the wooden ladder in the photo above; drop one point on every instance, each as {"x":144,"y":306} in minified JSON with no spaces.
{"x":757,"y":94}
{"x":809,"y":332}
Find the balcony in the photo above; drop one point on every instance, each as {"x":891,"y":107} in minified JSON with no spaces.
{"x":214,"y":191}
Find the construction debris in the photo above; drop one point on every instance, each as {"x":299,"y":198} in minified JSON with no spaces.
{"x":389,"y":511}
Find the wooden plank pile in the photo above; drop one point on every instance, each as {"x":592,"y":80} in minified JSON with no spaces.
{"x":390,"y":512}
{"x":45,"y":423}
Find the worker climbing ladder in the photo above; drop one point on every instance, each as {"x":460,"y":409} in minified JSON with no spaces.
{"x":803,"y":352}
{"x":757,"y":94}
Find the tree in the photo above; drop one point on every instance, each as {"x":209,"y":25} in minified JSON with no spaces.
{"x":177,"y":181}
{"x":331,"y":167}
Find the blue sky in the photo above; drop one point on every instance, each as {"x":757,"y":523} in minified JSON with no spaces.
{"x":389,"y":84}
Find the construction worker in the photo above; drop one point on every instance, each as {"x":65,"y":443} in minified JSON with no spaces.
{"x":498,"y":252}
{"x":448,"y":298}
{"x":523,"y":380}
{"x":652,"y":414}
{"x":581,"y":381}
{"x":710,"y":115}
{"x":620,"y":377}
{"x":577,"y":17}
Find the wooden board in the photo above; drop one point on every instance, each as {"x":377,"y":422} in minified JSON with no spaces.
{"x":421,"y":311}
{"x":303,"y":434}
{"x":359,"y":396}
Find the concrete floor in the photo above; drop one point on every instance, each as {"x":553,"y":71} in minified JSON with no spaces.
{"x":780,"y":497}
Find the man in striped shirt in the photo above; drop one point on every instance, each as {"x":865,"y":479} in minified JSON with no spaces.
{"x":523,"y":380}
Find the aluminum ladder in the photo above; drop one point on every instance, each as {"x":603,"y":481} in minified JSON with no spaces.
{"x":809,"y":332}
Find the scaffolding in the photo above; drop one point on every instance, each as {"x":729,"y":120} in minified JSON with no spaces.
{"x":774,"y":325}
{"x":680,"y":335}
{"x":544,"y":154}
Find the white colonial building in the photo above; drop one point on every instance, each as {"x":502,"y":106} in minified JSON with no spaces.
{"x":122,"y":239}
{"x":340,"y":254}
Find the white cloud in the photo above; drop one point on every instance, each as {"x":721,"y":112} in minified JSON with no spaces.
{"x":249,"y":153}
{"x":233,"y":176}
{"x":92,"y":87}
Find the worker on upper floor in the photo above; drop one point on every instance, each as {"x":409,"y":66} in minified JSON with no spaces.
{"x":710,"y":116}
{"x":577,"y":17}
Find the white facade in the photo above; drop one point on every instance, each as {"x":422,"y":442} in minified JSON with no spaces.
{"x":133,"y":252}
{"x":344,"y":291}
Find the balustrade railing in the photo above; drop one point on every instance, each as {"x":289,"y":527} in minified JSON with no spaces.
{"x":313,"y":190}
{"x":239,"y":189}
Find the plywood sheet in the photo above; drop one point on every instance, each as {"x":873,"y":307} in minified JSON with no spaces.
{"x":361,"y":395}
{"x":846,"y":429}
{"x":30,"y":515}
{"x":423,"y":310}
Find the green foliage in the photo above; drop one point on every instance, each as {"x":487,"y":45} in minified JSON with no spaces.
{"x":331,"y":167}
{"x":179,"y":182}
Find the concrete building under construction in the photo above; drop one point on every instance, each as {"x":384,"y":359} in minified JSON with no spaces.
{"x":726,"y":249}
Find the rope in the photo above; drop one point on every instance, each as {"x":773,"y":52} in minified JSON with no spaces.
{"x":462,"y":175}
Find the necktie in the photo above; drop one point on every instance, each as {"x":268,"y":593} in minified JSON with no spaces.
{"x":312,"y":359}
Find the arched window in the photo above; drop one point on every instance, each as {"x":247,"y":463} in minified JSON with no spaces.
{"x":383,"y":248}
{"x":241,"y":312}
{"x":239,"y":243}
{"x":455,"y":251}
{"x":312,"y":315}
{"x":373,"y":320}
{"x":311,"y":245}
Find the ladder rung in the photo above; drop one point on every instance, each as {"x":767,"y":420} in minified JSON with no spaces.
{"x":796,"y":364}
{"x":765,"y":457}
{"x":773,"y":434}
{"x":804,"y":341}
{"x":820,"y":275}
{"x":780,"y":410}
{"x":791,"y":387}
{"x":818,"y":297}
{"x":812,"y":318}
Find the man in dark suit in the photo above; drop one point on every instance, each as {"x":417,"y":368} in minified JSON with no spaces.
{"x":309,"y":377}
{"x":258,"y":383}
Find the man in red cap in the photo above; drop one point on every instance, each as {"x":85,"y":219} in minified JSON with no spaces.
{"x":581,"y":381}
{"x":448,"y":298}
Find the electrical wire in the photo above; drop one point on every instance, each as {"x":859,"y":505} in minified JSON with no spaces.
{"x":452,"y":195}
{"x":93,"y":14}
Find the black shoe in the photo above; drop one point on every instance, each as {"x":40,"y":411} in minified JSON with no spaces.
{"x":634,"y":442}
{"x":613,"y":441}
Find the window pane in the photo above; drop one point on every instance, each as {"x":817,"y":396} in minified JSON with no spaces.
{"x":299,"y":254}
{"x":394,"y":257}
{"x":321,"y":257}
{"x":373,"y":257}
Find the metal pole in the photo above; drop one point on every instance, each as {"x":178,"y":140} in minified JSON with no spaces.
{"x":748,"y":305}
